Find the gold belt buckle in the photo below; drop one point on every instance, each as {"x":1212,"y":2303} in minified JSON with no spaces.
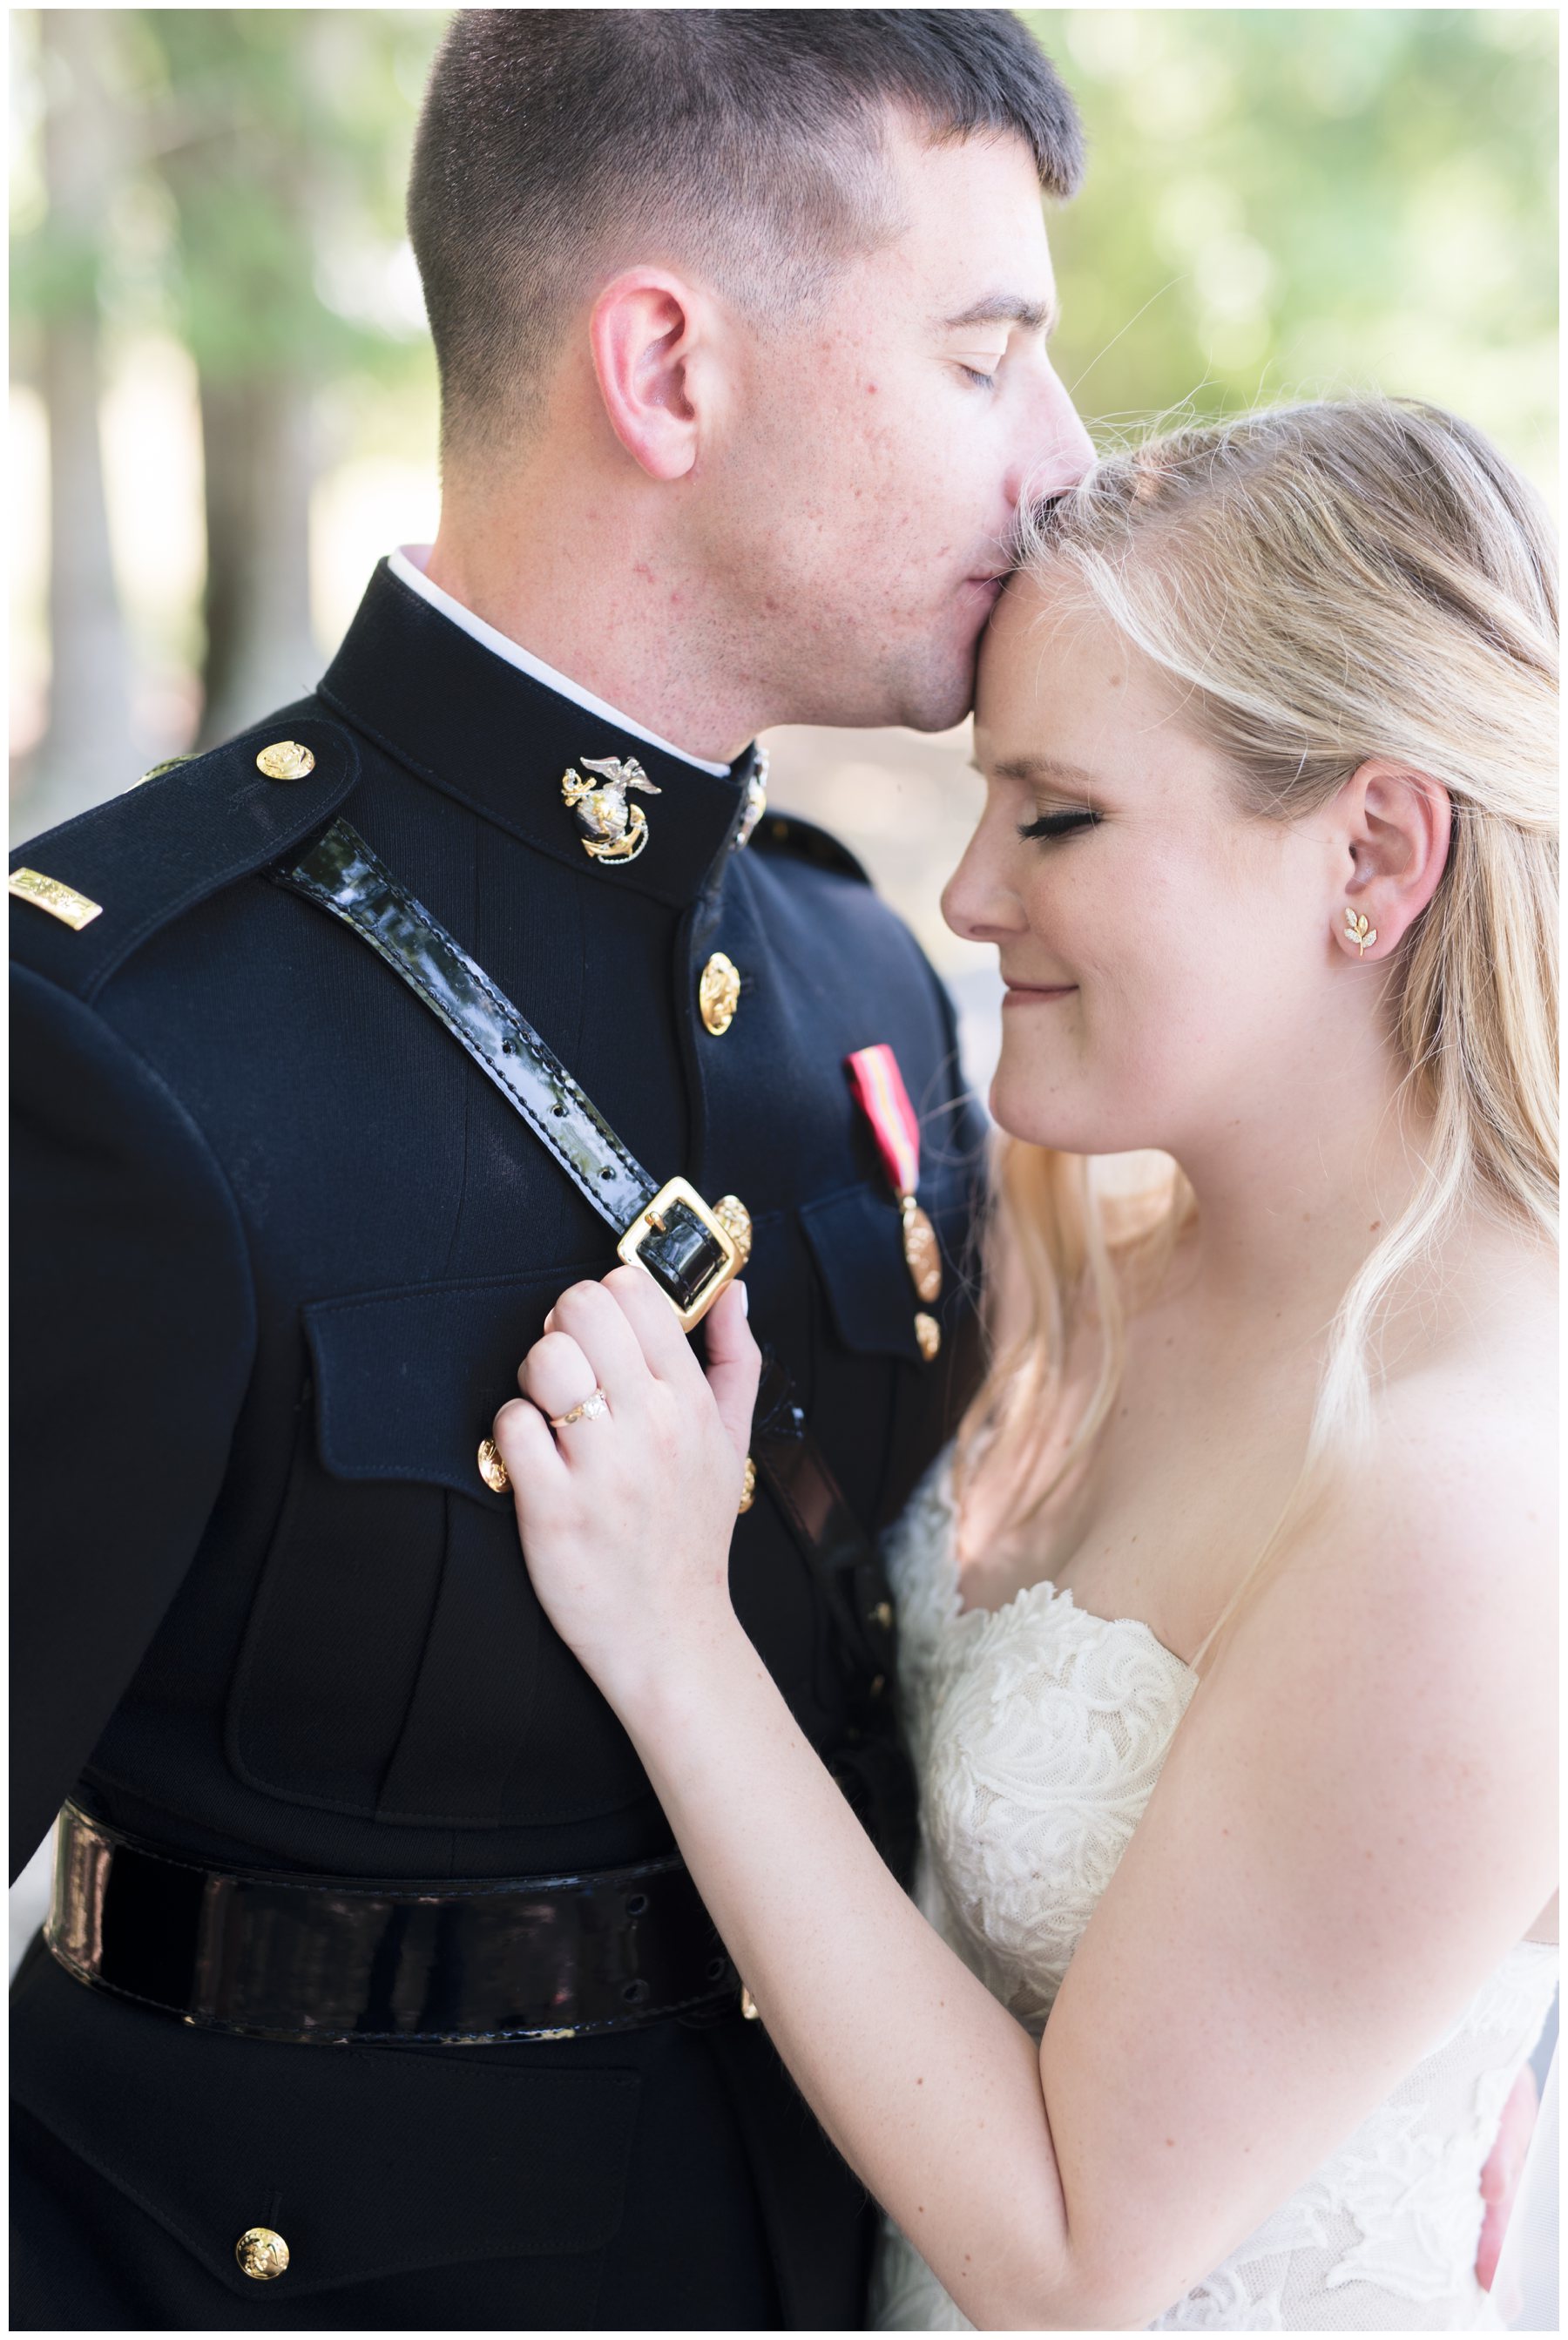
{"x":650,"y":1220}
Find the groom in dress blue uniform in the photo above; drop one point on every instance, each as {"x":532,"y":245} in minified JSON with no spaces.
{"x":741,"y":321}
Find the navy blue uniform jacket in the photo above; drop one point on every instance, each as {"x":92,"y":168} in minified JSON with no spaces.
{"x":278,"y":1249}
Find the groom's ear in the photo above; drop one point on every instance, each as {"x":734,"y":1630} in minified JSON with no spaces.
{"x":653,"y":338}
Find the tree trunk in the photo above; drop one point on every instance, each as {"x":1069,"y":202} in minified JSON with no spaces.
{"x":89,"y":751}
{"x":258,"y":400}
{"x":258,"y":447}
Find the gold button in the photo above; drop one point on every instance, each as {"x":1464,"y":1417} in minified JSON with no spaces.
{"x":285,"y":759}
{"x":735,"y":1221}
{"x":882,"y":1614}
{"x":718,"y":993}
{"x":261,"y":2254}
{"x":491,"y":1469}
{"x":928,"y":1333}
{"x":748,"y":1487}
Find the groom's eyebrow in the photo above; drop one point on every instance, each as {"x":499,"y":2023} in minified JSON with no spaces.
{"x":1008,"y":309}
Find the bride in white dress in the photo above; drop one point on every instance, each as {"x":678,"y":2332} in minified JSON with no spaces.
{"x":1227,"y":1628}
{"x":1039,"y":1731}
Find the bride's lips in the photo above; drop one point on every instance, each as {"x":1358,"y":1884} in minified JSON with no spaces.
{"x":1025,"y":994}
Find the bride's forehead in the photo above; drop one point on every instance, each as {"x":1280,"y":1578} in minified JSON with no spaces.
{"x":1069,"y":708}
{"x":1048,"y":644}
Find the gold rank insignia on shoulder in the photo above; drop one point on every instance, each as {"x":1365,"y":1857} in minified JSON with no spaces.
{"x":610,"y":829}
{"x":62,"y":902}
{"x":156,"y":771}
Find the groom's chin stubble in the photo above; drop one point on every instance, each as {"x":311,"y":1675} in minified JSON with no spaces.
{"x":931,"y":694}
{"x":918,"y":685}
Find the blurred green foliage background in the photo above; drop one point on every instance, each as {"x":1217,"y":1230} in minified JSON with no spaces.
{"x":1310,"y":201}
{"x":224,"y":400}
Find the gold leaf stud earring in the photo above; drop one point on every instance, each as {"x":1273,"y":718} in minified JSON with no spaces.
{"x":1358,"y":931}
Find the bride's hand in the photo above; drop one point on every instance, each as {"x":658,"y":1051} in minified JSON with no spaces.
{"x":626,"y":1515}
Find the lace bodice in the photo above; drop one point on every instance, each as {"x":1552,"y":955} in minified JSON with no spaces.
{"x":1038,"y":1733}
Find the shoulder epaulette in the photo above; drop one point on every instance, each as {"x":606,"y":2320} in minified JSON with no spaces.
{"x":86,"y":895}
{"x":780,"y":832}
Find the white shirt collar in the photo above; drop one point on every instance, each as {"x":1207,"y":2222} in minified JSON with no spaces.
{"x":408,"y":564}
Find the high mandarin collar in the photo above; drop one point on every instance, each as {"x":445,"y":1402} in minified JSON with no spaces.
{"x":501,"y":742}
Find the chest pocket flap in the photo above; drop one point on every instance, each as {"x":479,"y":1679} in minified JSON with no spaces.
{"x":857,"y":1239}
{"x":408,"y":1382}
{"x":396,"y":1662}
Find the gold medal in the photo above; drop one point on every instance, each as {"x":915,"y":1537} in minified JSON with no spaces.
{"x":879,"y":1088}
{"x":921,"y":1250}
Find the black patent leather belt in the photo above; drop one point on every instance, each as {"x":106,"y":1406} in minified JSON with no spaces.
{"x":331,"y":1961}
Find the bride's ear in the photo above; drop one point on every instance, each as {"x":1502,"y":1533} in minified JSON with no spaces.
{"x":652,"y":337}
{"x":1397,"y":825}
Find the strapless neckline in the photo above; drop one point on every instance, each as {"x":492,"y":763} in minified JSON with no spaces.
{"x":1045,"y":1594}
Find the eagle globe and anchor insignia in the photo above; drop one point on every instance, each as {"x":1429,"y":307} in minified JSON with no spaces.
{"x":610,"y":829}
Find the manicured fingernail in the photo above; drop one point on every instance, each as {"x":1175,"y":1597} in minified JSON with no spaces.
{"x":549,"y":1322}
{"x":745,"y":1300}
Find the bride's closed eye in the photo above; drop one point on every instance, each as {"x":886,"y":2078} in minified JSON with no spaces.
{"x":1048,"y":824}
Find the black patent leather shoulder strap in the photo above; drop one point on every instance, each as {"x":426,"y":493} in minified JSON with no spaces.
{"x":342,"y":873}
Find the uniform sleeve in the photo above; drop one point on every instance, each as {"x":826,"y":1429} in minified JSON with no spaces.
{"x":133,"y":1329}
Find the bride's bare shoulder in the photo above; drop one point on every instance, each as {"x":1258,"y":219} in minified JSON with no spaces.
{"x":1397,"y":1671}
{"x":1430,"y":1556}
{"x":1461,"y":1475}
{"x":1476,"y":1358}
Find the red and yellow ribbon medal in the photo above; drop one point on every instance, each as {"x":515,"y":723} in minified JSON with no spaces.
{"x":879,"y":1085}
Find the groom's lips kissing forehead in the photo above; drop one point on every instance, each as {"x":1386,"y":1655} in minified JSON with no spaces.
{"x":986,"y":588}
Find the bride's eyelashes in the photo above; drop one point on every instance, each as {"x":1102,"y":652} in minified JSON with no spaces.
{"x":1048,"y":824}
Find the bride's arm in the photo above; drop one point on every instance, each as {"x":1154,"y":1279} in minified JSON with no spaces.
{"x":1354,"y":1824}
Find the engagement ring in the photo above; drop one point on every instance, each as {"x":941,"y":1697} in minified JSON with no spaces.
{"x":590,"y":1410}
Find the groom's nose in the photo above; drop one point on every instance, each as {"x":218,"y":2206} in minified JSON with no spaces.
{"x":1054,"y":450}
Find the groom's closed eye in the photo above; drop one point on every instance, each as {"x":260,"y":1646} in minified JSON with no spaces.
{"x":998,"y":319}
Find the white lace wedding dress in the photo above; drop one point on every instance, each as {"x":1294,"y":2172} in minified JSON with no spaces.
{"x":1038,"y":1733}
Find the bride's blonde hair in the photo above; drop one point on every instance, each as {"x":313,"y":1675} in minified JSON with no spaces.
{"x":1323,"y":583}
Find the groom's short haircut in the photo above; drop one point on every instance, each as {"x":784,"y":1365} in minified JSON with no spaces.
{"x":743,"y":142}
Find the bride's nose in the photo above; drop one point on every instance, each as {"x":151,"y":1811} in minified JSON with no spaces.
{"x":977,"y":901}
